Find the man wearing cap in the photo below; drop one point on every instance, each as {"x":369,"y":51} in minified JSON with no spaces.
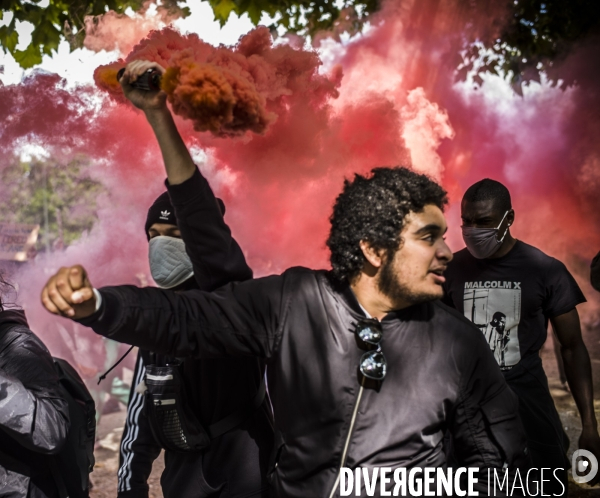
{"x":218,"y":393}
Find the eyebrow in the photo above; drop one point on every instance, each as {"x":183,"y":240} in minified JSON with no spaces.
{"x":432,"y":227}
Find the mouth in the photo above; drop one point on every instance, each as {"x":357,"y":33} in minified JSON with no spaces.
{"x":438,"y":274}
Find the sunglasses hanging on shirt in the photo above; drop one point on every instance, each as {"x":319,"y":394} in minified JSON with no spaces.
{"x":369,"y":335}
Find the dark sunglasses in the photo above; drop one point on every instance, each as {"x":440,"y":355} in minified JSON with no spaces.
{"x":370,"y":334}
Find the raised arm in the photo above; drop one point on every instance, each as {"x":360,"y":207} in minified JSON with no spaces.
{"x":177,"y":159}
{"x":216,"y":256}
{"x":242,"y":319}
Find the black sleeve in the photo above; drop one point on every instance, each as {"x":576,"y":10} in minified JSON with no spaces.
{"x":138,"y":446}
{"x":562,"y":292}
{"x":595,"y":272}
{"x":216,"y":256}
{"x":33,"y":411}
{"x":485,"y":424}
{"x":240,"y":319}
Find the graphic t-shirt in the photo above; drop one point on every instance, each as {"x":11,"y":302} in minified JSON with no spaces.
{"x":511,"y":298}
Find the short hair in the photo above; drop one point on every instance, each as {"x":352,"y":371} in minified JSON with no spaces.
{"x":488,"y":189}
{"x":373,"y":208}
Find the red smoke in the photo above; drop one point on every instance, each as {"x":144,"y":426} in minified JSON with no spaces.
{"x":398,"y":104}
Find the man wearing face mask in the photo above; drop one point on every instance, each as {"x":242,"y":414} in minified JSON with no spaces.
{"x":226,"y":396}
{"x":498,"y":275}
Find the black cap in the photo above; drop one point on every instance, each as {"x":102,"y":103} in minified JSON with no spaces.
{"x":161,"y":211}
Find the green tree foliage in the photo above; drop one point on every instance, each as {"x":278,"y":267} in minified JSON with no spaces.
{"x":60,"y":197}
{"x":60,"y":19}
{"x":304,"y":17}
{"x":537,"y":36}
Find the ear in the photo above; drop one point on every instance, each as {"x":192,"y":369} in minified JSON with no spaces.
{"x":372,"y":255}
{"x":510,"y":217}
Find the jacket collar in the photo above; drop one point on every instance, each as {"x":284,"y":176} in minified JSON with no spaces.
{"x":13,"y":316}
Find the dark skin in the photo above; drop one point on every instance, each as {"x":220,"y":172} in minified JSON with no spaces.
{"x":567,"y":329}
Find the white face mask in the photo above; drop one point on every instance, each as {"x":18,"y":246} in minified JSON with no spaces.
{"x":169,"y":263}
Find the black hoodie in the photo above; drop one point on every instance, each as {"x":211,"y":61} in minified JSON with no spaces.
{"x":235,"y":463}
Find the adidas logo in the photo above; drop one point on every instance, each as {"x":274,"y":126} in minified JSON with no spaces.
{"x":164,"y":215}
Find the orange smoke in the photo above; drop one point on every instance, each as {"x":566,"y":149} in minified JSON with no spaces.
{"x":105,"y":78}
{"x":228,"y":91}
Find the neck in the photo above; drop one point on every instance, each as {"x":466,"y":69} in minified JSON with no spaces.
{"x":507,"y":245}
{"x":372,"y":299}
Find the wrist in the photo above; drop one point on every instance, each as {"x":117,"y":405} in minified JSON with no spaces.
{"x":156,"y":114}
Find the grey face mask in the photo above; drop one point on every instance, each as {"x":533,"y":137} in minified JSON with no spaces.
{"x":483,"y":242}
{"x":169,"y":263}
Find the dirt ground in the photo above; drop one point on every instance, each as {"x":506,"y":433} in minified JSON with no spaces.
{"x":104,"y":476}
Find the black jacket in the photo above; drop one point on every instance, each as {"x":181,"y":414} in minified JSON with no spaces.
{"x":34,"y":417}
{"x":441,"y":375}
{"x":235,"y":463}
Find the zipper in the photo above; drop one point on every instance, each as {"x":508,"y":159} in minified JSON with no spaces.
{"x":350,"y":430}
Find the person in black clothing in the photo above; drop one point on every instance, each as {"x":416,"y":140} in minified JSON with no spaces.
{"x":366,"y":368}
{"x":497,"y":273}
{"x":34,"y":415}
{"x":234,"y":464}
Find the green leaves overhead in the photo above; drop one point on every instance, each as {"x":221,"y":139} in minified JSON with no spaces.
{"x":59,"y":20}
{"x":304,"y":17}
{"x":532,"y":36}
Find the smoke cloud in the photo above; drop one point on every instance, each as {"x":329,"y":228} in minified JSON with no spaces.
{"x":288,"y":132}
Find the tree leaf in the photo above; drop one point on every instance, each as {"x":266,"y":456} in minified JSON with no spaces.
{"x":29,"y":57}
{"x":9,"y":38}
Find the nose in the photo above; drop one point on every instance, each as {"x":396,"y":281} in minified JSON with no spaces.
{"x":444,"y":253}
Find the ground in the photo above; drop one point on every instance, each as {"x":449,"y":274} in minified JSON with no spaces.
{"x":111,"y":426}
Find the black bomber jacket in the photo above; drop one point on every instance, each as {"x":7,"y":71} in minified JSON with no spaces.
{"x":442,"y":378}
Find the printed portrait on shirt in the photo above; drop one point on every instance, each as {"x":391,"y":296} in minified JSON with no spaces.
{"x":495,"y":307}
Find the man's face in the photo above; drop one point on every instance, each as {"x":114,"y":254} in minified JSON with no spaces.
{"x":414,"y":273}
{"x":164,"y":229}
{"x":499,"y":323}
{"x":484,"y":214}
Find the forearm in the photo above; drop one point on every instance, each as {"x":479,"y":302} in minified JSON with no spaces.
{"x":178,"y":162}
{"x":578,"y":370}
{"x":187,"y":324}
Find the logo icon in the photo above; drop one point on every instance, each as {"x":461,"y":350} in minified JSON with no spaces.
{"x":584,"y":470}
{"x":164,"y":214}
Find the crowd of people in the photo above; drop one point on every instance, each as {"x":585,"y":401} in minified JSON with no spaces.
{"x":403,"y":355}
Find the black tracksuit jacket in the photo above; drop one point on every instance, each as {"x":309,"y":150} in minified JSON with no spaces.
{"x":34,"y":415}
{"x":442,"y":377}
{"x":235,"y":463}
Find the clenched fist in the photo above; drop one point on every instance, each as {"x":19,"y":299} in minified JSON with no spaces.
{"x":69,"y":293}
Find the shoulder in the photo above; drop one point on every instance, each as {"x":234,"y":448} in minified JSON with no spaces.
{"x":21,"y":340}
{"x":454,"y":323}
{"x":535,"y":256}
{"x":460,"y":259}
{"x":463,"y":340}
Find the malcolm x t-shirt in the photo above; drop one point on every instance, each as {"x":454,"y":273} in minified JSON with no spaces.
{"x":511,"y":298}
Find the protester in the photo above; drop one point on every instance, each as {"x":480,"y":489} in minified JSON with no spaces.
{"x":366,"y":368}
{"x":234,"y":464}
{"x":495,"y":274}
{"x":34,"y":415}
